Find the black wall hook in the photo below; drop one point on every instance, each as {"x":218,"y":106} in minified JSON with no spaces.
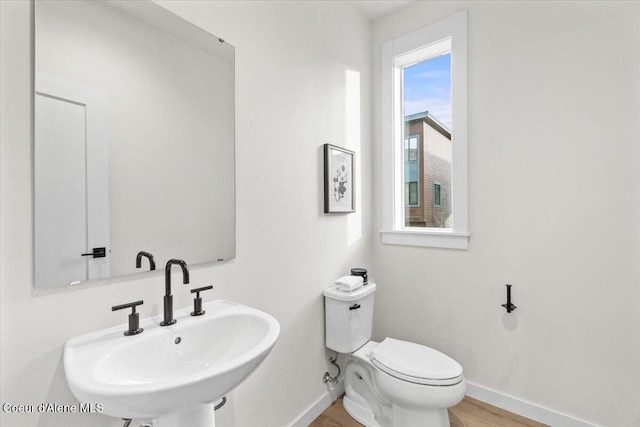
{"x":509,"y":306}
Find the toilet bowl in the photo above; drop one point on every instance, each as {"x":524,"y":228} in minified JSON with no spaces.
{"x":393,"y":383}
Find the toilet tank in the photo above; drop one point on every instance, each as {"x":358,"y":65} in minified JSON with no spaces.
{"x":348,"y":318}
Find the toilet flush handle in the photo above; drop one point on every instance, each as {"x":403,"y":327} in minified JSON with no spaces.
{"x":354,"y":307}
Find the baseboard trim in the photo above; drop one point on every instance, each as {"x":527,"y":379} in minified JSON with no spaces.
{"x":483,"y":394}
{"x":320,"y":405}
{"x":524,"y":408}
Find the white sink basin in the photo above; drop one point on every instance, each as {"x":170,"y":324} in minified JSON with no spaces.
{"x":169,"y":372}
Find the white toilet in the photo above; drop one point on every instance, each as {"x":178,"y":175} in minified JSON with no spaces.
{"x":393,"y":383}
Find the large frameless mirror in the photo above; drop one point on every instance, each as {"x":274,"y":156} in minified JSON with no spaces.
{"x":133,"y":141}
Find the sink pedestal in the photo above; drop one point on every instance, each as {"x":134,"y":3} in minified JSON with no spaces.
{"x":196,"y":416}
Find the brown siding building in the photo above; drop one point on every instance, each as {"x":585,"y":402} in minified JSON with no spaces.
{"x":427,"y":172}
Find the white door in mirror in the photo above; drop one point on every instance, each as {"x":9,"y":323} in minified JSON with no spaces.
{"x":71,"y":185}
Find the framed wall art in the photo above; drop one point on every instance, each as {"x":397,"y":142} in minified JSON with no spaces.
{"x":339,"y":182}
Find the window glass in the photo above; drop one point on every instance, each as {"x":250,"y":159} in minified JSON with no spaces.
{"x":436,"y":195}
{"x":411,"y":171}
{"x":427,"y":112}
{"x":411,"y":193}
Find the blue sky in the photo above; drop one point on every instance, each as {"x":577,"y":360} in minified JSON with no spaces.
{"x":427,"y":87}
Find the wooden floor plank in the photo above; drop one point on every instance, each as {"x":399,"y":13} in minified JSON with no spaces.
{"x":468,"y":413}
{"x":325,"y":421}
{"x":335,"y":416}
{"x":474,"y":413}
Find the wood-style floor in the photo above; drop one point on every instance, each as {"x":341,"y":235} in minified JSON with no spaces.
{"x":468,"y":413}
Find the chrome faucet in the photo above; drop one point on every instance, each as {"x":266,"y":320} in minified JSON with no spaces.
{"x":168,"y":298}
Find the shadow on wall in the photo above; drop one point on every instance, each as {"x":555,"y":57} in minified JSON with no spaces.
{"x":352,"y":141}
{"x":60,"y":394}
{"x":509,"y":321}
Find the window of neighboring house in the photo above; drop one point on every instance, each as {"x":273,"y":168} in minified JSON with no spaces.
{"x":424,"y":109}
{"x":411,"y":149}
{"x":411,"y":193}
{"x":411,"y":171}
{"x":436,"y":195}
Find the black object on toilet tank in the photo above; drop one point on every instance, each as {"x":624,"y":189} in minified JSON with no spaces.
{"x":362,"y":272}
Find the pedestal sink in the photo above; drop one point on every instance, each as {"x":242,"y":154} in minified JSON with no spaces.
{"x":170,"y":375}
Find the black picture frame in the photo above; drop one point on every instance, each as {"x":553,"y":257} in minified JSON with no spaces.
{"x":339,"y":180}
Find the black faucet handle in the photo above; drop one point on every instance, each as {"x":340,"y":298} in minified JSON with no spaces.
{"x":197,"y":301}
{"x":131,"y":305}
{"x":134,"y":318}
{"x":204,"y":288}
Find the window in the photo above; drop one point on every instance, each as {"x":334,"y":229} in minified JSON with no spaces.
{"x":411,"y":149}
{"x":411,"y":193}
{"x":425,"y":136}
{"x":411,"y":171}
{"x":436,"y":195}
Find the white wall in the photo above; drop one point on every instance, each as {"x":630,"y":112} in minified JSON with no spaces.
{"x":554,"y":108}
{"x":298,"y":65}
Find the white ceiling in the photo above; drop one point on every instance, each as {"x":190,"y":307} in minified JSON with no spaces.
{"x":375,"y":9}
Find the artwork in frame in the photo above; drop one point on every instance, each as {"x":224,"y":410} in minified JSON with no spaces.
{"x":339,"y":183}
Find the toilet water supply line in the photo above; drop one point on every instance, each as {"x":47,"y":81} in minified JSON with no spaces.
{"x":327,"y":378}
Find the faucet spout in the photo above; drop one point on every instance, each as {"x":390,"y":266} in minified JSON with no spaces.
{"x":168,"y":297}
{"x":149,"y":256}
{"x":167,"y":274}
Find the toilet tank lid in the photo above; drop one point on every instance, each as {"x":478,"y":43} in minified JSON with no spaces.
{"x":359,"y":293}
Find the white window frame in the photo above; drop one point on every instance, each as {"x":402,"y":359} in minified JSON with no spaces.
{"x":395,"y":54}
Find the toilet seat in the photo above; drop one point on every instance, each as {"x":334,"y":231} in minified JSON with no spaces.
{"x":415,"y":363}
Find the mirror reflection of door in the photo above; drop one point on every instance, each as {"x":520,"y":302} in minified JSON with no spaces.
{"x":71,"y":185}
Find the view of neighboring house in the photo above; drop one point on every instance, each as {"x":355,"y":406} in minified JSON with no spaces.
{"x":427,"y":172}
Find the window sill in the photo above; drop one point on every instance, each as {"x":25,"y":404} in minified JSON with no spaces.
{"x":431,"y":238}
